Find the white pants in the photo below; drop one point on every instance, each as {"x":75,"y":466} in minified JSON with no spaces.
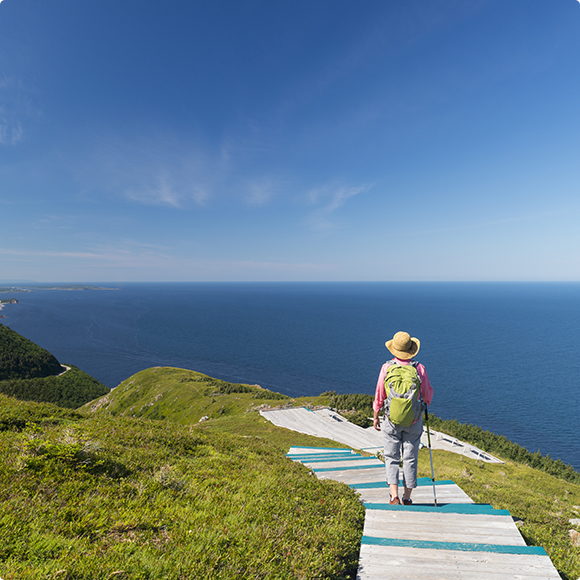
{"x":409,"y":438}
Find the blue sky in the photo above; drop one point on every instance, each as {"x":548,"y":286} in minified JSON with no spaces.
{"x":302,"y":140}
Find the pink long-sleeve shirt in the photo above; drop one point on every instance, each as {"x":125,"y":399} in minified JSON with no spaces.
{"x":380,"y":395}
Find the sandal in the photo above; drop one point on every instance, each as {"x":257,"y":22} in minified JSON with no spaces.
{"x":407,"y":501}
{"x":394,"y":501}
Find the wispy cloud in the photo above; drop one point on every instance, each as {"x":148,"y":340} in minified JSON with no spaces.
{"x":14,"y":106}
{"x":479,"y":225}
{"x":175,"y":172}
{"x":10,"y":130}
{"x":260,"y":191}
{"x":47,"y":254}
{"x":159,"y":171}
{"x":136,"y":261}
{"x":330,"y":198}
{"x":124,"y":249}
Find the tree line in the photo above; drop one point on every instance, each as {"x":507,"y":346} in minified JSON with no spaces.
{"x":22,"y":359}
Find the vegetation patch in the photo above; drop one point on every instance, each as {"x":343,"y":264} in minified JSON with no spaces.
{"x":71,"y":389}
{"x":355,"y":407}
{"x":20,"y":358}
{"x":17,"y":415}
{"x":102,"y":494}
{"x":30,"y":373}
{"x":502,"y":447}
{"x":105,"y":497}
{"x":186,"y":397}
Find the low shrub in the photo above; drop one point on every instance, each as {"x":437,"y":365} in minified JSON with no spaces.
{"x":72,"y":389}
{"x":504,"y":448}
{"x":100,"y":497}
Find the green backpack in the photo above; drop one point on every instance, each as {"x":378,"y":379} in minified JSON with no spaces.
{"x":403,"y":391}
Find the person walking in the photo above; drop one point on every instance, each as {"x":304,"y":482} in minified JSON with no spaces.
{"x":401,"y":428}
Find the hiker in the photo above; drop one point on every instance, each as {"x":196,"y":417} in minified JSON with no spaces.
{"x":403,"y":425}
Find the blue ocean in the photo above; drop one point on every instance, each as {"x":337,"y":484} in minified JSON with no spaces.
{"x":504,"y":356}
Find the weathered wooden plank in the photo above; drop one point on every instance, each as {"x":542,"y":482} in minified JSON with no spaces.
{"x":321,"y":465}
{"x":462,"y":508}
{"x":456,"y":546}
{"x":352,"y":476}
{"x":324,"y":423}
{"x":430,"y":520}
{"x":450,"y":494}
{"x":446,"y":534}
{"x":310,"y":458}
{"x":342,"y":466}
{"x":421,"y":482}
{"x":445,"y":531}
{"x":393,"y":563}
{"x":300,"y":449}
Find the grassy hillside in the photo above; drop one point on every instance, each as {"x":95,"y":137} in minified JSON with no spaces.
{"x":103,"y":494}
{"x":542,"y":503}
{"x":20,"y":358}
{"x":29,"y":372}
{"x":545,"y":502}
{"x":185,"y":396}
{"x":71,"y":390}
{"x":102,"y":497}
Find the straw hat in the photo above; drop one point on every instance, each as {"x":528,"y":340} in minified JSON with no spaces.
{"x":403,"y":346}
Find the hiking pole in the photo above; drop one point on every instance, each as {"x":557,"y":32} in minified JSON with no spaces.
{"x":431,"y":456}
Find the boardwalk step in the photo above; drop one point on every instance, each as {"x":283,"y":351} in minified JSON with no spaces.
{"x":449,"y":508}
{"x":421,"y":482}
{"x":458,"y":539}
{"x":461,"y":546}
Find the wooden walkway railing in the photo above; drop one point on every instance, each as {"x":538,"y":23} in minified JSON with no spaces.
{"x":457,"y":539}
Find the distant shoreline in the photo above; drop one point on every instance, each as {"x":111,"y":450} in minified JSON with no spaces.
{"x":69,"y":287}
{"x":4,"y":301}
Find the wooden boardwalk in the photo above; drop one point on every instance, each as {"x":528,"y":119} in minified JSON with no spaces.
{"x":457,"y":539}
{"x":324,"y":422}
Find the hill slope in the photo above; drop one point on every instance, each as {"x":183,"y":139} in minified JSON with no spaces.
{"x":185,"y":396}
{"x":29,"y":372}
{"x":100,"y":497}
{"x":20,"y":358}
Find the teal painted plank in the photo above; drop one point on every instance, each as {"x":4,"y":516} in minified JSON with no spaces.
{"x":327,"y":457}
{"x":326,"y":449}
{"x":458,"y":546}
{"x":448,"y":508}
{"x":338,"y":458}
{"x":421,"y":482}
{"x":323,"y":469}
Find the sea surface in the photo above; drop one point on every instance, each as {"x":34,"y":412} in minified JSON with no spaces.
{"x":504,"y":356}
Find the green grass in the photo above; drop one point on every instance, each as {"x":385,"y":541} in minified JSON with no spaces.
{"x":545,"y":503}
{"x":102,"y":494}
{"x":185,"y":397}
{"x":71,"y":389}
{"x":503,"y":447}
{"x":104,"y":497}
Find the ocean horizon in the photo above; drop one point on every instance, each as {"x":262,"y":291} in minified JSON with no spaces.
{"x":503,"y":356}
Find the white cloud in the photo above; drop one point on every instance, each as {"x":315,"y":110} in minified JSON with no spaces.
{"x":330,"y":198}
{"x":158,"y":171}
{"x":10,"y":131}
{"x":259,"y":192}
{"x":15,"y":105}
{"x":46,"y":254}
{"x":132,"y":260}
